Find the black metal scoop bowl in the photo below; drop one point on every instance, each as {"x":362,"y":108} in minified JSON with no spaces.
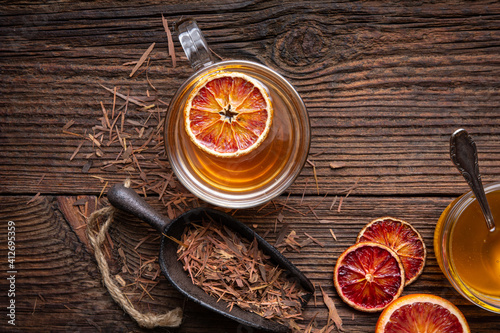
{"x":128,"y":200}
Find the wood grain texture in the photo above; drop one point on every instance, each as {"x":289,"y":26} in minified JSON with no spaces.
{"x":385,"y":84}
{"x":59,"y":286}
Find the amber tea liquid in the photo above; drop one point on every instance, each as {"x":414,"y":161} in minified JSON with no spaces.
{"x":279,"y":156}
{"x":254,"y":169}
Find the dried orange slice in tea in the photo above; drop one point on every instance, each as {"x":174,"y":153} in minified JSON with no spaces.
{"x":228,"y":114}
{"x":421,"y":313}
{"x":402,"y":238}
{"x":368,"y":276}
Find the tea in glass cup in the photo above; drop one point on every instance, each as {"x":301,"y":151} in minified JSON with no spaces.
{"x":274,"y":159}
{"x":467,"y":252}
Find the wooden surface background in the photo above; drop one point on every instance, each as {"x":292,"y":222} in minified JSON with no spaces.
{"x":385,"y":84}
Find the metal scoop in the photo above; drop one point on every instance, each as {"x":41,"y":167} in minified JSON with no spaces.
{"x":128,"y":200}
{"x":463,"y":153}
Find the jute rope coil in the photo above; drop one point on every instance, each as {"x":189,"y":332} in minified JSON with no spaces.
{"x":172,"y":318}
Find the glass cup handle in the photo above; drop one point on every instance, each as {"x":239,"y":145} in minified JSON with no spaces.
{"x":194,"y":44}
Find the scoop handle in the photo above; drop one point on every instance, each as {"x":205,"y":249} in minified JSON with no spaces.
{"x":463,"y":153}
{"x":127,"y":200}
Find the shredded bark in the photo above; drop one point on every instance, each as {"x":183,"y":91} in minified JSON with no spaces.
{"x":74,"y":134}
{"x":333,"y":202}
{"x":68,"y":125}
{"x":314,"y":174}
{"x":171,"y":50}
{"x":124,"y":97}
{"x":235,"y":270}
{"x":217,"y":55}
{"x":314,"y":240}
{"x":337,"y":165}
{"x":333,"y":315}
{"x":34,"y":307}
{"x":333,"y":234}
{"x":127,"y":139}
{"x":33,"y":199}
{"x":349,"y":191}
{"x":303,"y":193}
{"x":340,"y":204}
{"x":142,"y":59}
{"x":290,"y":242}
{"x":41,"y":179}
{"x":120,"y":280}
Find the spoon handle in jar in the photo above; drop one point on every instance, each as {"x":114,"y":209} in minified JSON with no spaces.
{"x":463,"y":153}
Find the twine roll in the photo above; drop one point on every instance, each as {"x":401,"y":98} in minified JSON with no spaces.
{"x":172,"y":318}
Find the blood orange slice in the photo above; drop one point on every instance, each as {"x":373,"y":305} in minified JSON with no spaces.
{"x":228,"y":114}
{"x":368,"y":276}
{"x":402,"y":238}
{"x":421,"y":313}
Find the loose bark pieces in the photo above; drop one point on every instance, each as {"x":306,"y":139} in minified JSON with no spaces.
{"x":142,"y":59}
{"x":171,"y":50}
{"x":127,"y":140}
{"x":337,"y":165}
{"x":333,"y":315}
{"x":33,"y":198}
{"x":333,"y":234}
{"x":235,"y":270}
{"x":314,"y":174}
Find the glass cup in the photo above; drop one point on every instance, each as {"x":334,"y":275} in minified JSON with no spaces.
{"x":251,"y":179}
{"x":467,"y":252}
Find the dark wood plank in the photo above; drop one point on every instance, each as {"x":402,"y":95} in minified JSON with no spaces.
{"x":385,"y":84}
{"x":58,"y":284}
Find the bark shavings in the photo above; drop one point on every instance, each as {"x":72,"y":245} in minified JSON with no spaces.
{"x":337,"y":165}
{"x":139,"y":275}
{"x":234,"y":269}
{"x":171,"y":50}
{"x":333,"y":315}
{"x":41,"y":179}
{"x":33,"y":198}
{"x":142,"y":59}
{"x":333,"y":234}
{"x":127,"y":140}
{"x":314,"y":174}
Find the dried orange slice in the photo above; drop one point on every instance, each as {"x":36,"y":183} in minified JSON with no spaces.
{"x":421,"y":313}
{"x":368,"y":276}
{"x":228,"y":114}
{"x":402,"y":238}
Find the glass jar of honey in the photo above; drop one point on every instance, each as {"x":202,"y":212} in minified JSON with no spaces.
{"x":467,"y":252}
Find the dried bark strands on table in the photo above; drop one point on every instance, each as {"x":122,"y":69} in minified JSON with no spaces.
{"x":171,"y":50}
{"x":235,"y":270}
{"x":128,"y":139}
{"x":137,"y":132}
{"x":134,"y":263}
{"x":287,"y":239}
{"x":333,"y":315}
{"x":138,"y":279}
{"x":142,"y":59}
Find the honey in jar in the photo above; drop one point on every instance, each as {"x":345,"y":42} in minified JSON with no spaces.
{"x":467,"y":252}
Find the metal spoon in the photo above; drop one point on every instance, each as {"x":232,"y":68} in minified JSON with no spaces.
{"x":463,"y":153}
{"x":126,"y":199}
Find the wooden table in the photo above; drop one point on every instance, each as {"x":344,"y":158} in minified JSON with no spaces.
{"x":385,"y":84}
